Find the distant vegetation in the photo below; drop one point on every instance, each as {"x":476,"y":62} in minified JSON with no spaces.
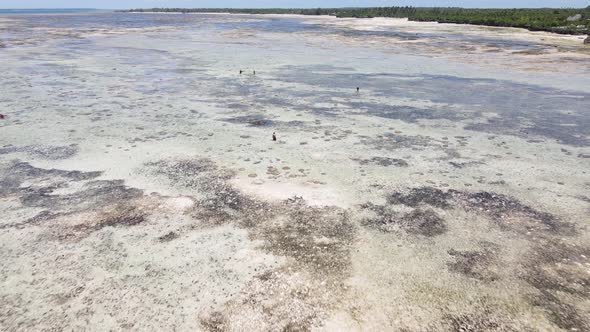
{"x":565,"y":21}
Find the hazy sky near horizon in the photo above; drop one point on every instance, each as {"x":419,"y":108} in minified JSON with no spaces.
{"x":118,"y":4}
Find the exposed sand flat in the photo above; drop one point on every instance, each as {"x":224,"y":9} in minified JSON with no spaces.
{"x":450,"y":28}
{"x":510,"y":47}
{"x":140,"y":187}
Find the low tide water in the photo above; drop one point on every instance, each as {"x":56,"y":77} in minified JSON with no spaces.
{"x":425,"y":177}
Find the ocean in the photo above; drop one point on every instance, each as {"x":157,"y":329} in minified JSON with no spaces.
{"x":50,"y":11}
{"x":425,"y":177}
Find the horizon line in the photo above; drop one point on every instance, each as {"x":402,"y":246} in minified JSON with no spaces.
{"x":314,"y":7}
{"x":82,"y":8}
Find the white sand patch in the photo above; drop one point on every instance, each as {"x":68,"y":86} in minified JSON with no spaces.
{"x":377,"y":23}
{"x":313,"y":193}
{"x":180,"y":203}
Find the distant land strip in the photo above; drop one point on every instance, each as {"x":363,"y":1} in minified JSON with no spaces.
{"x":574,"y":21}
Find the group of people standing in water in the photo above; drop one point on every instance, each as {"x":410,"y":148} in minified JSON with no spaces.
{"x":274,"y":135}
{"x":253,"y":72}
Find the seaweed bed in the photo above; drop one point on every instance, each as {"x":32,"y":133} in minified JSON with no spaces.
{"x":383,"y":161}
{"x":43,"y":152}
{"x":475,"y":263}
{"x":554,"y":268}
{"x":315,"y":241}
{"x":496,"y":206}
{"x":251,"y":120}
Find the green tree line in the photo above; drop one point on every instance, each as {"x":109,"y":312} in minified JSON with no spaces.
{"x":562,"y":20}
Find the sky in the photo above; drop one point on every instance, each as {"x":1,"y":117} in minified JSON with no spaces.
{"x":121,"y":4}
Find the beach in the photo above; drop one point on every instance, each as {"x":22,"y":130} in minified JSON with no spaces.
{"x":140,"y":187}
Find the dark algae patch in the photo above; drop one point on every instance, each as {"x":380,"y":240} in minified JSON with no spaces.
{"x":474,"y":263}
{"x":423,"y":195}
{"x":315,"y":241}
{"x":181,"y":171}
{"x":383,"y":161}
{"x":496,"y":206}
{"x":16,"y":173}
{"x":558,"y":271}
{"x":94,"y":194}
{"x":424,"y":222}
{"x":251,"y":120}
{"x":168,"y":237}
{"x":420,"y":221}
{"x":95,"y":205}
{"x":318,"y":239}
{"x":501,"y":207}
{"x":121,"y":216}
{"x":316,"y":244}
{"x":44,"y":152}
{"x":392,"y":142}
{"x":483,"y":319}
{"x":554,"y":265}
{"x":214,"y":322}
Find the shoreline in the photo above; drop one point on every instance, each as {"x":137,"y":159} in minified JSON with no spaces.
{"x":550,"y":33}
{"x":375,"y":17}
